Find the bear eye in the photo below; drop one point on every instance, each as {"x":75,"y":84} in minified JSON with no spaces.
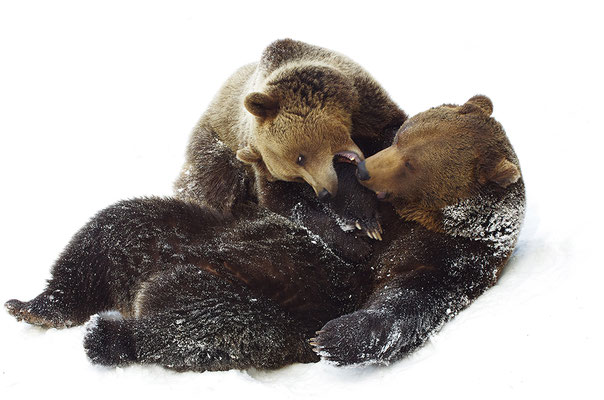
{"x":301,"y":160}
{"x":409,"y":166}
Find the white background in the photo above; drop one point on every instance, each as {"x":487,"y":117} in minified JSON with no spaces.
{"x":97,"y":100}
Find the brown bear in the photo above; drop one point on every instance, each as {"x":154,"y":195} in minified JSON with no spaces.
{"x":197,"y":290}
{"x":281,"y":121}
{"x":454,"y":182}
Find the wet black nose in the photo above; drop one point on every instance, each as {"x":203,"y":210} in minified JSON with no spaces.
{"x":362,"y":172}
{"x":323,"y":194}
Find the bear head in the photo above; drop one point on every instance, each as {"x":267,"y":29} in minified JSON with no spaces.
{"x":302,"y":121}
{"x":440,"y":157}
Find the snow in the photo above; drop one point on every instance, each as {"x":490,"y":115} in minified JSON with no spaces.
{"x":98,"y":101}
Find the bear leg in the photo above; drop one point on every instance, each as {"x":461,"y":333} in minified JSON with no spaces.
{"x":398,"y":318}
{"x":345,"y":223}
{"x":190,"y":319}
{"x":109,"y":257}
{"x":76,"y":290}
{"x":213,"y":176}
{"x":45,"y":311}
{"x":109,"y":340}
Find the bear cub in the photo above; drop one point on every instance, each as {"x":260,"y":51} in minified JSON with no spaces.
{"x":197,"y":290}
{"x":271,"y":134}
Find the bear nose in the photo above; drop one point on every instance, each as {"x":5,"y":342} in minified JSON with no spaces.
{"x":323,"y":194}
{"x":362,"y":172}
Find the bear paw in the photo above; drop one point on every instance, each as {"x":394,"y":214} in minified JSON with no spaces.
{"x":370,"y":226}
{"x":350,"y":247}
{"x":40,"y":312}
{"x":363,"y":337}
{"x":109,"y":341}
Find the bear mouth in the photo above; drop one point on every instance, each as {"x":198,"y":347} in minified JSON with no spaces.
{"x":382,"y":195}
{"x":348,"y":157}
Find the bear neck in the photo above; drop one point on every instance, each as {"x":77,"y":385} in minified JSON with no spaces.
{"x":493,"y":216}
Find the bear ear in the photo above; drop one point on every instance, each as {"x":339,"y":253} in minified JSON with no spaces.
{"x":478,"y":103}
{"x":248,"y":155}
{"x":261,"y":104}
{"x":504,"y":173}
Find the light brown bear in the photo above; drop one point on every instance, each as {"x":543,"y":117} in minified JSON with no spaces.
{"x":458,"y":201}
{"x":280,"y":121}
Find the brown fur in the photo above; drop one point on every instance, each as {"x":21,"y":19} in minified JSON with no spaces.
{"x":455,"y":206}
{"x":214,"y":293}
{"x":298,"y":100}
{"x":441,"y":156}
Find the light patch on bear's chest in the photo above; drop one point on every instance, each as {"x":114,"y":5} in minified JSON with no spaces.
{"x":494,"y":220}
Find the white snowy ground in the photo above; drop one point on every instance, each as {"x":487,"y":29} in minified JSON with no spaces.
{"x":96,"y":104}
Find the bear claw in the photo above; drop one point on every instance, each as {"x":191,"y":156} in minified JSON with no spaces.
{"x":371,"y":229}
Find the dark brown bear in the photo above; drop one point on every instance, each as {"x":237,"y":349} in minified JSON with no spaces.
{"x":197,"y":290}
{"x":455,"y":184}
{"x":281,"y":121}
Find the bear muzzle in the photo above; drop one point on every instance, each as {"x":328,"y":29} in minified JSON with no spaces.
{"x":362,"y":172}
{"x":323,"y":180}
{"x":323,"y":195}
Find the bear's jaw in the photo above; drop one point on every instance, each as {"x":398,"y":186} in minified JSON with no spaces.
{"x":428,"y":218}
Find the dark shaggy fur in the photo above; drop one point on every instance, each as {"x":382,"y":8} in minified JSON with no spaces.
{"x":196,"y":290}
{"x":200,"y":291}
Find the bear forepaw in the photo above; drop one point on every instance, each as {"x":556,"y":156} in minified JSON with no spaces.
{"x":370,"y":226}
{"x":363,"y":337}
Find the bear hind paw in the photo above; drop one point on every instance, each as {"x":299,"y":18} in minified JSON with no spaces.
{"x":34,"y":315}
{"x":109,"y":341}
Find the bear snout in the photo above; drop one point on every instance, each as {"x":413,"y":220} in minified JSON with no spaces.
{"x":362,"y":172}
{"x":323,"y":195}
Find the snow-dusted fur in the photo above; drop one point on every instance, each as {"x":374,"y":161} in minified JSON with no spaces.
{"x":202,"y":291}
{"x":445,"y":242}
{"x":423,"y":279}
{"x":197,"y":290}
